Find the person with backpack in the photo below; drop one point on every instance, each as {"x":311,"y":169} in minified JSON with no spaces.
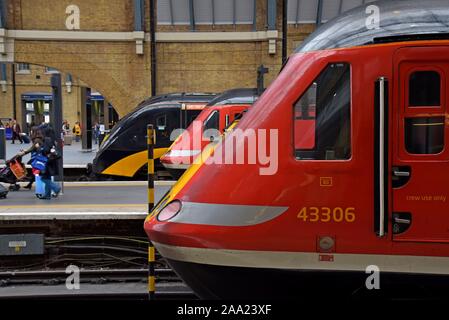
{"x":77,"y":131}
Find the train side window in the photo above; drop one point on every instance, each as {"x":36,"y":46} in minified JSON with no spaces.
{"x":322,"y":116}
{"x":424,"y":135}
{"x":425,"y":89}
{"x":161,"y":122}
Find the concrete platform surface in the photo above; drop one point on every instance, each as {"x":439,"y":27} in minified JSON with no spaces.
{"x":120,"y":200}
{"x":73,"y":155}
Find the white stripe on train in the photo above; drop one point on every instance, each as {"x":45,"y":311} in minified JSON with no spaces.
{"x":305,"y":260}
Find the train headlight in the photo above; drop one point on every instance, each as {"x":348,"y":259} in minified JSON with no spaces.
{"x":170,"y":211}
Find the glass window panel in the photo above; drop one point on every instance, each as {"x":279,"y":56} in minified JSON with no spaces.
{"x":203,"y":11}
{"x":292,"y":8}
{"x":424,"y":89}
{"x":330,"y":9}
{"x":224,"y":11}
{"x":322,"y":116}
{"x":424,"y":135}
{"x":23,"y":67}
{"x":181,"y":11}
{"x":163,"y":12}
{"x":244,"y":11}
{"x":307,"y":11}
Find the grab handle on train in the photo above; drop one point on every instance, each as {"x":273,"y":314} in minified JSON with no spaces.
{"x":398,"y":173}
{"x":401,"y":176}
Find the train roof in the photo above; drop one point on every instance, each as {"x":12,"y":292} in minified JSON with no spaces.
{"x":180,"y":97}
{"x":400,"y":20}
{"x":235,"y":96}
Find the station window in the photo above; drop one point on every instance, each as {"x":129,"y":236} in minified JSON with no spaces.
{"x":22,"y":68}
{"x":424,"y":135}
{"x":424,"y":89}
{"x":179,"y":12}
{"x":322,"y":116}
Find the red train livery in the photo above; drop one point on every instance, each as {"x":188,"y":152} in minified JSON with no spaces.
{"x":213,"y":120}
{"x":362,"y":179}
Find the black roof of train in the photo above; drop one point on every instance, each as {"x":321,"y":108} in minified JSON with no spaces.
{"x":179,"y":97}
{"x":235,"y":96}
{"x":399,"y":20}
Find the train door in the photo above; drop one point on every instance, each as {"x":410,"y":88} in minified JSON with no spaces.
{"x":420,"y":145}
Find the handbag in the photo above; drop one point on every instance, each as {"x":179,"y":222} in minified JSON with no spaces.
{"x":39,"y":162}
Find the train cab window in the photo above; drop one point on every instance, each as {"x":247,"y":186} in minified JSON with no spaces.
{"x":212,"y":122}
{"x":161,"y":122}
{"x":425,"y":89}
{"x":322,"y":116}
{"x":424,"y":135}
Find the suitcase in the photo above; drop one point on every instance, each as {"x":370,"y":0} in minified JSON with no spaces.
{"x":39,"y":187}
{"x":68,"y":140}
{"x":25,"y":138}
{"x":3,"y":192}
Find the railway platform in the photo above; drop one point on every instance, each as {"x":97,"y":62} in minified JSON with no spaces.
{"x":84,"y":200}
{"x":73,"y":154}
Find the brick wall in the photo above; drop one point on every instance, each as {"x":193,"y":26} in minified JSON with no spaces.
{"x":122,"y":76}
{"x":98,"y":15}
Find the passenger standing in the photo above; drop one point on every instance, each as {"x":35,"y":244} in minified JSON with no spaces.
{"x":96,"y":132}
{"x":16,"y":131}
{"x":51,"y":170}
{"x":65,"y":127}
{"x":77,"y":131}
{"x":37,"y":141}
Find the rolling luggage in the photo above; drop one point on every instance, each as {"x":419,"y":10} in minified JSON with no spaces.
{"x":25,"y":138}
{"x":3,"y":191}
{"x":68,"y":139}
{"x":40,"y":186}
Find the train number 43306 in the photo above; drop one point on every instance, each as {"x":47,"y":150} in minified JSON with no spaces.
{"x":325,"y":214}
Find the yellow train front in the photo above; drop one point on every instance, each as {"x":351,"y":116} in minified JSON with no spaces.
{"x":344,"y":171}
{"x":123,"y":152}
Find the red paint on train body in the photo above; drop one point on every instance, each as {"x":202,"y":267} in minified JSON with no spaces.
{"x":361,"y":179}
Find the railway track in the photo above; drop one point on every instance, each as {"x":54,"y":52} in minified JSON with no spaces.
{"x":128,"y":284}
{"x":86,"y":275}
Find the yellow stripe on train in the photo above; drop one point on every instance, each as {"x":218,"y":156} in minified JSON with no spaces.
{"x":128,"y":166}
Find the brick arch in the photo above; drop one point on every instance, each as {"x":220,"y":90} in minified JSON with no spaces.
{"x":113,"y":69}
